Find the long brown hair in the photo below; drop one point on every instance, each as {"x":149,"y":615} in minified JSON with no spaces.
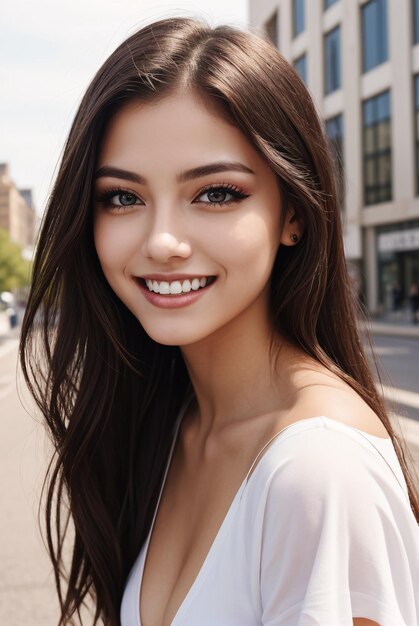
{"x":109,"y":394}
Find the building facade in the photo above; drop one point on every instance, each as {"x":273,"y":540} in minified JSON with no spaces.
{"x":360,"y":61}
{"x":17,"y":213}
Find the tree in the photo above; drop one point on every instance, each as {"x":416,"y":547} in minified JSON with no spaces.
{"x":14,"y":270}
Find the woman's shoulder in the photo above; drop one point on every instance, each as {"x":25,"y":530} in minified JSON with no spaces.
{"x":321,"y":464}
{"x":319,"y":392}
{"x":323,"y":406}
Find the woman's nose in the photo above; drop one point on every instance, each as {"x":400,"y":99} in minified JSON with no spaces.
{"x":163,"y":243}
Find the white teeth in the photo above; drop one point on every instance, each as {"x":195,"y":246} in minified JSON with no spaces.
{"x":164,"y":288}
{"x":176,"y":287}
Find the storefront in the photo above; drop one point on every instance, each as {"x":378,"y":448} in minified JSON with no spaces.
{"x":398,"y":263}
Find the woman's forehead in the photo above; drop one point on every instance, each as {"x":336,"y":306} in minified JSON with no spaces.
{"x":178,"y":130}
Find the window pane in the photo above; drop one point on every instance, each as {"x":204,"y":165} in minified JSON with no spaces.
{"x":334,"y":127}
{"x":417,"y":168}
{"x":328,"y":3}
{"x":416,"y":21}
{"x":384,"y":167}
{"x":377,"y":148}
{"x":383,"y":106}
{"x":374,"y":33}
{"x":300,"y":65}
{"x":370,"y":197}
{"x":370,"y":173}
{"x":382,"y":53}
{"x":369,"y":143}
{"x":383,"y":135}
{"x":369,"y":112}
{"x":332,"y":60}
{"x":416,"y":83}
{"x":334,"y":130}
{"x":384,"y":194}
{"x":298,"y":16}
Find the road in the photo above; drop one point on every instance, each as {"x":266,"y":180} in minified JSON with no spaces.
{"x":27,"y":595}
{"x":399,"y":366}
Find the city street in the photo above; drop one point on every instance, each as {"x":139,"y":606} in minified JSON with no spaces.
{"x":27,"y":596}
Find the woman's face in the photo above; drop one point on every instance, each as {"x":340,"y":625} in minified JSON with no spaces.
{"x":186,"y":219}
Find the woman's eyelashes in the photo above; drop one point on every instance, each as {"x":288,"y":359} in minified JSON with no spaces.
{"x":117,"y":198}
{"x":218,"y":194}
{"x":212,"y":195}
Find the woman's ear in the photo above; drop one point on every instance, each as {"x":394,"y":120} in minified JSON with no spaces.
{"x":293,"y":229}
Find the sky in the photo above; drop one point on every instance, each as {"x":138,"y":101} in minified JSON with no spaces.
{"x":49,"y":52}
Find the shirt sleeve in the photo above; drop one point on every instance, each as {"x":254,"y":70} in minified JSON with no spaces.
{"x":339,"y":539}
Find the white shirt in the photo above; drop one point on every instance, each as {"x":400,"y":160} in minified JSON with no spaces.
{"x":320,"y":532}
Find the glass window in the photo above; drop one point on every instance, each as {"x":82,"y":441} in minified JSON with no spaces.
{"x":374,"y":34}
{"x":368,"y":140}
{"x":298,"y":18}
{"x":369,"y":172}
{"x":377,"y":149}
{"x":383,"y":135}
{"x":328,"y":3}
{"x":271,"y":28}
{"x":383,"y":106}
{"x":416,"y":21}
{"x":332,"y":72}
{"x":334,"y":131}
{"x":300,"y":65}
{"x":384,"y":165}
{"x":417,"y":130}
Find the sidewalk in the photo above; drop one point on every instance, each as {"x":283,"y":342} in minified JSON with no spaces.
{"x":9,"y":336}
{"x":8,"y":340}
{"x":397,"y":324}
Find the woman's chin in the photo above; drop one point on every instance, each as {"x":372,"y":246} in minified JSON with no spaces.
{"x":173,"y":336}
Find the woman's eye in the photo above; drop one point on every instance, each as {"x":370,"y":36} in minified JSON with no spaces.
{"x":124,"y":199}
{"x":217,"y":195}
{"x":117,"y":198}
{"x":220,"y":195}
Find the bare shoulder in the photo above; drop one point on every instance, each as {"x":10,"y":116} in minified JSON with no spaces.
{"x":319,"y":392}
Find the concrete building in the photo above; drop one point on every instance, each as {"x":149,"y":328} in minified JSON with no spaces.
{"x":17,"y":213}
{"x":360,"y":61}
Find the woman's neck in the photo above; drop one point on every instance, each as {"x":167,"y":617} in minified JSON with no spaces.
{"x":232,"y":373}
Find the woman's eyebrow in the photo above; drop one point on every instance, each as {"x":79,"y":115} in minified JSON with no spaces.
{"x":196,"y":172}
{"x":214,"y":168}
{"x":107,"y":171}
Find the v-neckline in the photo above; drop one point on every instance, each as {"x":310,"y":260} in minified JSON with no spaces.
{"x":220,"y":533}
{"x":225,"y":523}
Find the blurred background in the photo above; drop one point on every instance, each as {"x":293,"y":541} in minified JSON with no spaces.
{"x":360,"y":61}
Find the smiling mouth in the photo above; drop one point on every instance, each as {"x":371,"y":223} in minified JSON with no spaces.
{"x":176,"y":287}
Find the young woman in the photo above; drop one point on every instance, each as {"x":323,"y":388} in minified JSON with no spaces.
{"x":220,"y":445}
